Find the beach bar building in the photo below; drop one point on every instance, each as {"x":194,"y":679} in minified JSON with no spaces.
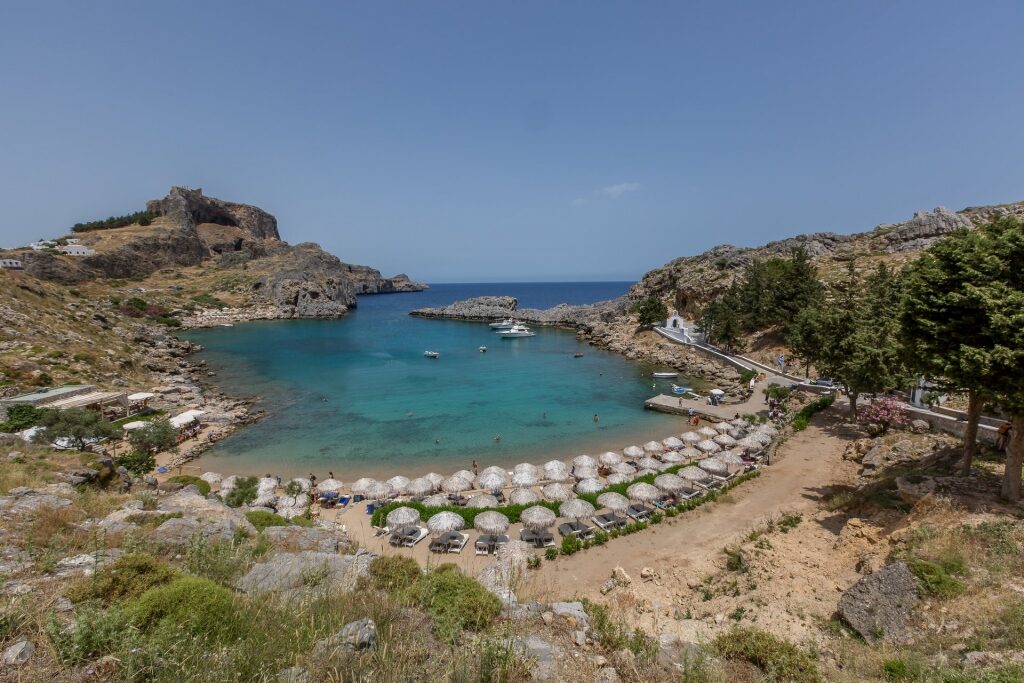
{"x":110,"y":403}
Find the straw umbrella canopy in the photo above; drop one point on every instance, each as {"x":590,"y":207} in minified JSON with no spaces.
{"x":690,"y":453}
{"x":465,"y":474}
{"x":329,"y":485}
{"x":708,"y":432}
{"x":616,"y":502}
{"x":767,"y":429}
{"x":492,"y":480}
{"x":709,"y":446}
{"x":694,"y":474}
{"x":482,"y":500}
{"x":739,"y":422}
{"x":619,"y":478}
{"x":577,"y":508}
{"x":557,"y":492}
{"x":420,"y":486}
{"x":643,"y":492}
{"x":722,"y":427}
{"x":583,"y":461}
{"x":762,"y":437}
{"x":556,"y":470}
{"x":672,"y":442}
{"x":633,"y":452}
{"x":670,"y":483}
{"x":672,"y":457}
{"x":724,"y":440}
{"x":491,"y":522}
{"x":446,"y":521}
{"x":690,"y":437}
{"x":589,"y":485}
{"x":360,"y":485}
{"x":456,"y":484}
{"x":435,"y":479}
{"x":749,"y":444}
{"x":380,"y":490}
{"x":714,"y":465}
{"x":585,"y":473}
{"x":526,"y":467}
{"x":624,"y":468}
{"x":731,"y":458}
{"x":523,"y":497}
{"x":537,"y":517}
{"x":436,"y":501}
{"x":653,"y":447}
{"x":609,"y":459}
{"x":737,"y":433}
{"x":525,"y":479}
{"x":403,"y":517}
{"x":648,"y":463}
{"x":399,"y":484}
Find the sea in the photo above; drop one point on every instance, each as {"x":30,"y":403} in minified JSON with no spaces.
{"x":357,"y":397}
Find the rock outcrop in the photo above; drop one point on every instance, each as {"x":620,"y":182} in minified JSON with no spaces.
{"x":879,"y":605}
{"x":190,"y":208}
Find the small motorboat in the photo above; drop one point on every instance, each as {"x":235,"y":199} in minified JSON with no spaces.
{"x":227,"y":325}
{"x":505,"y":324}
{"x":517,"y":330}
{"x":664,"y":375}
{"x":431,"y":354}
{"x":679,"y":391}
{"x":578,"y":354}
{"x":483,"y":349}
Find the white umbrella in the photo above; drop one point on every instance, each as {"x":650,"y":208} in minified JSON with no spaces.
{"x":435,"y":479}
{"x":739,"y":423}
{"x":380,"y":490}
{"x":713,"y":465}
{"x":731,"y":458}
{"x":491,"y":522}
{"x":609,"y":459}
{"x":722,"y":427}
{"x":584,"y":472}
{"x":360,"y":485}
{"x":648,"y":463}
{"x":399,"y":484}
{"x":617,"y":478}
{"x":709,"y":446}
{"x":717,"y":392}
{"x":456,"y":485}
{"x":402,"y":517}
{"x":643,"y":492}
{"x":420,"y":486}
{"x":707,"y":432}
{"x":767,"y":429}
{"x":525,"y":478}
{"x":526,"y":467}
{"x":436,"y":501}
{"x":672,"y":442}
{"x":537,"y":517}
{"x":443,"y":522}
{"x":465,"y":474}
{"x":690,"y":453}
{"x":690,"y":437}
{"x":577,"y":508}
{"x":523,"y":497}
{"x":557,"y":492}
{"x":491,"y":480}
{"x":589,"y":485}
{"x":616,"y":502}
{"x":737,"y":433}
{"x":329,"y":485}
{"x":670,"y":483}
{"x":724,"y":440}
{"x":672,"y":457}
{"x":624,"y":468}
{"x":556,"y":470}
{"x":633,"y":452}
{"x":750,"y":444}
{"x":763,"y":438}
{"x":583,"y":461}
{"x":653,"y":447}
{"x":483,"y":500}
{"x":694,"y":474}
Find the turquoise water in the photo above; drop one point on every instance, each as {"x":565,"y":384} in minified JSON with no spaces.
{"x":356,"y":396}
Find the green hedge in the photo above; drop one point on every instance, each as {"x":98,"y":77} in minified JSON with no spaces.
{"x":803,"y":418}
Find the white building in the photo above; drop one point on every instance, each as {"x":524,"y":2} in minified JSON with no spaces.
{"x":43,"y":244}
{"x":76,"y":250}
{"x":11,"y":264}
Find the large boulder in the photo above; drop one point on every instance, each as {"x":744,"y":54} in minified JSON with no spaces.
{"x":353,"y":637}
{"x":879,"y":605}
{"x":179,"y":531}
{"x":573,"y":613}
{"x":297,"y":538}
{"x":21,"y":501}
{"x":205,"y":510}
{"x":289,"y":572}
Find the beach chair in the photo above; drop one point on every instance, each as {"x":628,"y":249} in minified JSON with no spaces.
{"x":457,"y":541}
{"x":638,"y":512}
{"x":483,"y":545}
{"x":545,"y":539}
{"x":343,"y":501}
{"x":414,"y":536}
{"x":614,"y":520}
{"x":565,"y":529}
{"x":439,"y":545}
{"x":603,"y":522}
{"x":499,"y":541}
{"x":687,"y":494}
{"x":528,"y":536}
{"x":396,"y":540}
{"x":381,"y":531}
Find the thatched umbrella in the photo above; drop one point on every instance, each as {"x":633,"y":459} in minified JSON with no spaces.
{"x":694,"y":474}
{"x":709,"y":446}
{"x":465,"y":474}
{"x":491,"y":522}
{"x":714,"y":465}
{"x":672,"y":442}
{"x":633,"y":452}
{"x":707,"y":432}
{"x":537,"y":517}
{"x":737,"y":433}
{"x":446,"y":521}
{"x":435,"y":479}
{"x":670,"y":483}
{"x":420,"y":486}
{"x":648,"y":463}
{"x":722,"y":427}
{"x":691,"y":437}
{"x":739,"y":423}
{"x":555,"y":465}
{"x":399,"y":484}
{"x":494,"y":468}
{"x":731,"y":458}
{"x":750,"y":444}
{"x":526,"y":467}
{"x":556,"y":470}
{"x":525,"y":478}
{"x":583,"y":461}
{"x":767,"y":429}
{"x":523,"y":497}
{"x":456,"y":484}
{"x":557,"y":492}
{"x":577,"y":508}
{"x":618,"y":478}
{"x":492,"y":480}
{"x":624,"y":468}
{"x":609,"y":459}
{"x":380,"y":490}
{"x":616,"y":502}
{"x":589,"y":485}
{"x":403,"y":517}
{"x":643,"y":492}
{"x":436,"y":501}
{"x":483,"y":500}
{"x":672,"y":457}
{"x":329,"y":485}
{"x":763,"y":438}
{"x":653,"y":447}
{"x":724,"y":440}
{"x":585,"y":472}
{"x":690,"y":453}
{"x":360,"y":485}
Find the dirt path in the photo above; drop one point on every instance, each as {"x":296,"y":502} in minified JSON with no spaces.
{"x":808,"y":462}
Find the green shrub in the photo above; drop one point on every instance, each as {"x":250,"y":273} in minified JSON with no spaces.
{"x":800,"y":423}
{"x":137,"y":462}
{"x":613,"y":635}
{"x":551,"y":553}
{"x":292,"y":488}
{"x":936,"y":579}
{"x":261,"y":519}
{"x":790,"y":521}
{"x":139,"y":217}
{"x":244,"y":492}
{"x":191,"y":604}
{"x":96,"y":633}
{"x":127,"y":577}
{"x":456,"y":603}
{"x":803,"y":418}
{"x":734,"y":560}
{"x":190,"y":480}
{"x":393,"y":573}
{"x":780,"y":660}
{"x":21,"y":417}
{"x":209,"y":300}
{"x":570,"y":545}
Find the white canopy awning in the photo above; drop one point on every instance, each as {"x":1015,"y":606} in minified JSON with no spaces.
{"x":183,"y":419}
{"x":138,"y":424}
{"x":141,"y":396}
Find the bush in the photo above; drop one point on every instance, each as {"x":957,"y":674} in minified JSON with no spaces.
{"x":570,"y":545}
{"x":551,"y":553}
{"x":780,"y":660}
{"x":614,"y":635}
{"x":139,"y":217}
{"x":803,"y":418}
{"x":96,"y":633}
{"x":209,"y":300}
{"x":128,"y":577}
{"x":650,"y":311}
{"x":261,"y":519}
{"x":393,"y":573}
{"x":190,"y":480}
{"x":455,"y":602}
{"x":21,"y":417}
{"x":188,"y":603}
{"x":292,"y":488}
{"x":244,"y":492}
{"x":936,"y":579}
{"x":137,"y":462}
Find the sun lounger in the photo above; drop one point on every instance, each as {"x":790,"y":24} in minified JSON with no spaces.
{"x":380,"y":530}
{"x":639,"y":512}
{"x":577,"y":529}
{"x":343,"y":501}
{"x":483,"y":544}
{"x":614,"y":519}
{"x":414,"y":536}
{"x":603,"y":522}
{"x":457,"y":541}
{"x":438,"y":545}
{"x":528,"y":536}
{"x":687,"y":494}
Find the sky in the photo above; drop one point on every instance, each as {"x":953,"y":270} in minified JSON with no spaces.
{"x":481,"y":141}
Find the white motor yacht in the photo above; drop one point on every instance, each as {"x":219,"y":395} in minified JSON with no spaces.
{"x":505,"y":324}
{"x":517,"y":330}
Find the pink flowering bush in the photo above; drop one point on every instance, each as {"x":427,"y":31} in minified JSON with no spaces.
{"x":883,"y":413}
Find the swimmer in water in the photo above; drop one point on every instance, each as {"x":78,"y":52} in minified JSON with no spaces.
{"x":437,"y":441}
{"x":497,"y":437}
{"x":597,"y":418}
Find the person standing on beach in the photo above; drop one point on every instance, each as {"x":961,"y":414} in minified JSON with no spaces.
{"x":476,"y":469}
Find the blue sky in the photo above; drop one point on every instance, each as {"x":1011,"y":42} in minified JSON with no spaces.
{"x":461,"y":141}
